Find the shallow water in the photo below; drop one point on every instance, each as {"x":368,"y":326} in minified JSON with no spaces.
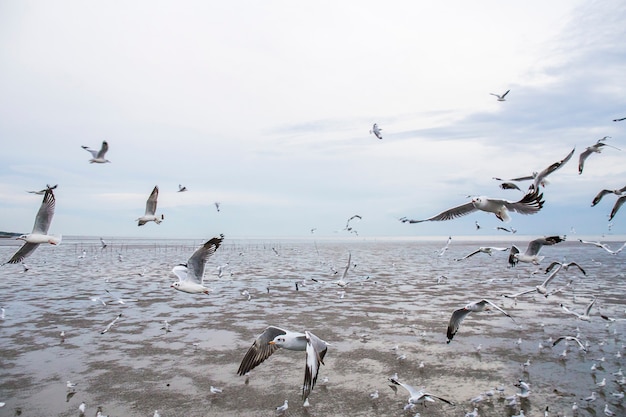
{"x":393,"y":298}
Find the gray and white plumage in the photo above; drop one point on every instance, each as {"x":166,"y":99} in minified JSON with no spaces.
{"x":376,"y":131}
{"x":191,"y":275}
{"x":274,"y":338}
{"x":531,"y":203}
{"x":618,"y":204}
{"x":459,"y":315}
{"x":151,"y":206}
{"x":569,"y":338}
{"x":42,"y":192}
{"x":539,"y":178}
{"x":531,"y":255}
{"x":418,"y":396}
{"x":585,"y":316}
{"x":483,"y":249}
{"x":604,"y":192}
{"x":501,"y":97}
{"x":39,"y":233}
{"x":108,"y":327}
{"x":543,"y":287}
{"x":98,"y":156}
{"x":595,"y":148}
{"x":604,"y":246}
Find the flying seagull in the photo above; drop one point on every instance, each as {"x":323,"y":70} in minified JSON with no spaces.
{"x":620,"y":119}
{"x":539,"y":178}
{"x":106,"y":329}
{"x":604,"y":246}
{"x":190,"y":275}
{"x":604,"y":192}
{"x":483,"y":249}
{"x":570,"y":338}
{"x":42,"y":192}
{"x":529,"y":204}
{"x":596,"y":148}
{"x":376,"y":131}
{"x":181,"y":188}
{"x":501,"y":97}
{"x":620,"y":201}
{"x":273,"y":338}
{"x":459,"y":315}
{"x":543,"y":287}
{"x":103,"y":244}
{"x":217,"y":206}
{"x":531,"y":255}
{"x":418,"y":396}
{"x":585,"y":315}
{"x":348,"y":227}
{"x":39,"y":234}
{"x":98,"y":156}
{"x":511,"y":230}
{"x":151,"y":205}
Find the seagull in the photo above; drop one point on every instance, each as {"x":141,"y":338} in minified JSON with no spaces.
{"x":531,"y":255}
{"x":529,"y":204}
{"x":620,"y":119}
{"x":596,"y":148}
{"x":445,"y":248}
{"x":151,"y":205}
{"x":483,"y":249}
{"x":98,"y":156}
{"x":348,"y":227}
{"x":190,"y":275}
{"x":585,"y":315}
{"x":273,"y":338}
{"x":181,"y":188}
{"x":604,"y":246}
{"x":342,"y":282}
{"x":39,"y":234}
{"x":215,"y":390}
{"x":418,"y":396}
{"x":81,"y":408}
{"x":539,"y":178}
{"x":459,"y":315}
{"x":542,"y":288}
{"x":42,"y":192}
{"x":71,"y":386}
{"x":376,"y":131}
{"x":217,"y":206}
{"x":281,"y":409}
{"x":565,"y":266}
{"x":106,"y":329}
{"x":607,"y":411}
{"x":504,"y":229}
{"x":620,"y":201}
{"x":604,"y":192}
{"x":568,"y":338}
{"x":103,"y":244}
{"x":501,"y":97}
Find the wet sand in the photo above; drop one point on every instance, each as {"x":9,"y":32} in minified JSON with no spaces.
{"x":393,"y":298}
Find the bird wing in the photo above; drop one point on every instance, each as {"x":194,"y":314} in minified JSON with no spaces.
{"x":197,"y":261}
{"x":151,"y":203}
{"x":588,"y":309}
{"x":455,"y":322}
{"x":426,"y":394}
{"x":315,"y":351}
{"x":534,"y":246}
{"x":412,"y":390}
{"x":504,"y":95}
{"x":345,"y":271}
{"x":260,"y":350}
{"x":495,"y":306}
{"x":509,"y":186}
{"x":569,"y":338}
{"x":103,"y":149}
{"x":23,"y":252}
{"x":181,"y":272}
{"x":531,"y":203}
{"x":519,"y":294}
{"x":549,"y":170}
{"x":578,"y":266}
{"x":617,"y":206}
{"x":599,"y":196}
{"x":45,"y":213}
{"x":567,"y":310}
{"x":469,"y":255}
{"x":512,"y":259}
{"x":449,"y":214}
{"x":581,"y":159}
{"x":94,"y":154}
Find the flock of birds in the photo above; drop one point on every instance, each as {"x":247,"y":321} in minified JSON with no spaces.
{"x":191,"y":274}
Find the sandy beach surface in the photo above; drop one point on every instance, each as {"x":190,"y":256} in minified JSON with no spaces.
{"x":391,"y":318}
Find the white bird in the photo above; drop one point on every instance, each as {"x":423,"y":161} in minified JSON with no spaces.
{"x":281,"y":409}
{"x":103,"y":244}
{"x":531,"y":255}
{"x":604,"y":192}
{"x":81,"y":408}
{"x":106,"y":329}
{"x":274,"y":338}
{"x":472,"y":413}
{"x":156,"y":413}
{"x":119,"y":299}
{"x":585,"y":315}
{"x":596,"y":148}
{"x":483,"y":249}
{"x":71,"y":386}
{"x":568,"y":338}
{"x":531,"y":203}
{"x":501,"y":97}
{"x":418,"y":396}
{"x":181,"y":188}
{"x":604,"y":246}
{"x":342,"y":281}
{"x":539,"y":178}
{"x":607,"y":411}
{"x":190,"y":275}
{"x":215,"y":390}
{"x":524,"y":389}
{"x":376,"y":131}
{"x":39,"y":234}
{"x":151,"y":205}
{"x":543,"y":287}
{"x":445,"y":248}
{"x":98,"y":156}
{"x":459,"y":315}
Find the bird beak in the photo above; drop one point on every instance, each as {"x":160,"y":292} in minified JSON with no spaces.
{"x":271,"y":342}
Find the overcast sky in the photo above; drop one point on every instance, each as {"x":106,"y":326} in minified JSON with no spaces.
{"x":266,"y":107}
